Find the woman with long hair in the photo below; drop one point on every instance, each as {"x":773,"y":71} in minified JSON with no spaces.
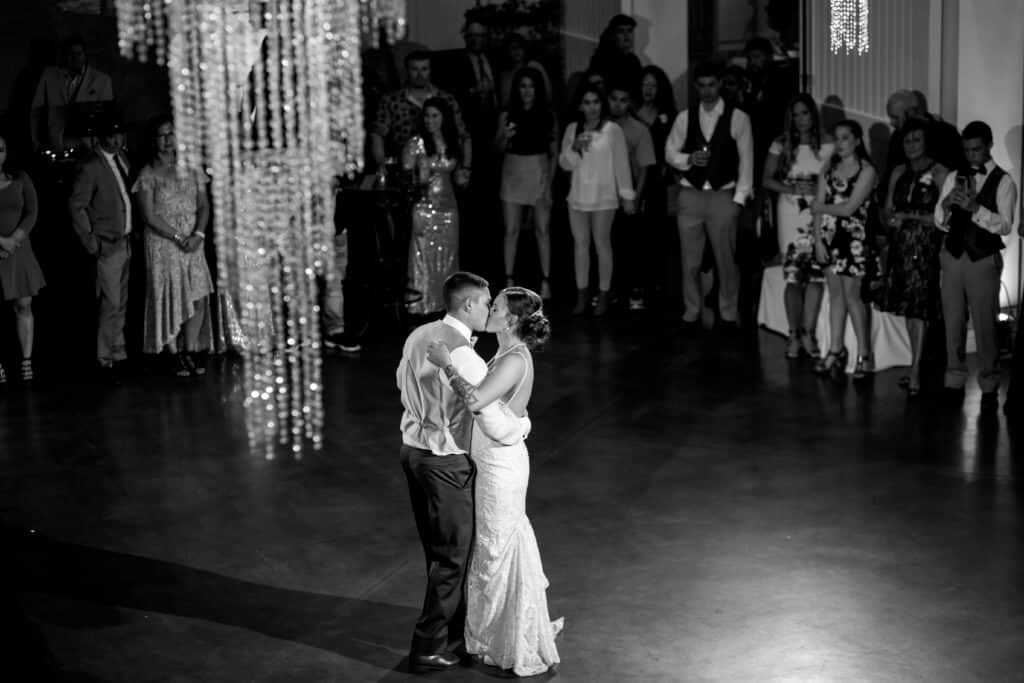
{"x":528,"y":137}
{"x":517,"y":57}
{"x":794,"y":163}
{"x":21,"y":278}
{"x":176,"y":213}
{"x":841,"y":239}
{"x":433,"y":157}
{"x":658,"y":110}
{"x":912,"y":281}
{"x":594,"y":152}
{"x":507,"y":619}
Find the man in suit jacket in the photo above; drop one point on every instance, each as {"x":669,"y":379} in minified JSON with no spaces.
{"x":101,"y":214}
{"x":64,"y":91}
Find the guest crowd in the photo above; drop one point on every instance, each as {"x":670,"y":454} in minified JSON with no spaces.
{"x":747,"y":176}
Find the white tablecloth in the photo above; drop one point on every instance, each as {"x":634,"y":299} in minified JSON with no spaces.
{"x":890,"y":342}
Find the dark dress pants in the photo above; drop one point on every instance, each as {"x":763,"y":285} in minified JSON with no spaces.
{"x":441,"y":491}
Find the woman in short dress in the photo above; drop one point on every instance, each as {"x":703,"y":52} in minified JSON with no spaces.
{"x":791,"y":171}
{"x":21,"y":278}
{"x":842,"y":241}
{"x":528,"y":136}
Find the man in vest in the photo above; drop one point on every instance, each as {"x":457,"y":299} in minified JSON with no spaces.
{"x":712,"y":145}
{"x":436,"y":429}
{"x":975,"y":209}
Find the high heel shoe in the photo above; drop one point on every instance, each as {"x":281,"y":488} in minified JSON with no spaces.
{"x":581,"y":302}
{"x":27,"y":375}
{"x":793,"y":346}
{"x":832,"y":360}
{"x":810,"y":344}
{"x":545,"y":289}
{"x":865,"y":366}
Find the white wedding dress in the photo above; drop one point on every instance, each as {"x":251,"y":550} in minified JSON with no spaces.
{"x":507,"y":621}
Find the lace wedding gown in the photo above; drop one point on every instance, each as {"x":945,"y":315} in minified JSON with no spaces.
{"x":507,"y":620}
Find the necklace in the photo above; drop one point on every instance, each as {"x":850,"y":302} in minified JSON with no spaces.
{"x":509,"y":350}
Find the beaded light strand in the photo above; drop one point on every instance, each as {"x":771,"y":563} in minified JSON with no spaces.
{"x":267,"y":100}
{"x":848,"y":26}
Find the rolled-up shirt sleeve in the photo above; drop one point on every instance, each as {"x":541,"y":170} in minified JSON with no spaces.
{"x":468,"y":364}
{"x":741,"y":133}
{"x":942,"y":214}
{"x":1000,"y":221}
{"x":674,"y":155}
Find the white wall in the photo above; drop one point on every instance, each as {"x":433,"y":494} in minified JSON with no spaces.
{"x":662,"y":38}
{"x":990,"y":87}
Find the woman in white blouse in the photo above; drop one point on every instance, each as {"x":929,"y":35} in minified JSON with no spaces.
{"x":594,"y":151}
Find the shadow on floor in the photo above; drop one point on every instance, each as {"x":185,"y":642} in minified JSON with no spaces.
{"x":367,"y":631}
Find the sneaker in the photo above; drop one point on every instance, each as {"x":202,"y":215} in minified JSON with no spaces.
{"x":636,"y":303}
{"x":342,"y":342}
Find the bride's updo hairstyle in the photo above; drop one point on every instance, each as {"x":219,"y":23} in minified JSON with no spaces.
{"x":532,"y":326}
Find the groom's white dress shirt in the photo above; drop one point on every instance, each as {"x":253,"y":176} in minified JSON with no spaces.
{"x":432,"y":409}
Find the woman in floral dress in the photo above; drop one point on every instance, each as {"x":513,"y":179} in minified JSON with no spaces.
{"x":842,"y":241}
{"x":178,"y":283}
{"x":912,"y":284}
{"x":795,"y":160}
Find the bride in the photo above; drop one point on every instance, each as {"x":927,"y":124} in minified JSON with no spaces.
{"x":507,"y":621}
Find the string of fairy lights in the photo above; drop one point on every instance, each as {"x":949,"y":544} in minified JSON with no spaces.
{"x":267,"y":99}
{"x":848,"y":26}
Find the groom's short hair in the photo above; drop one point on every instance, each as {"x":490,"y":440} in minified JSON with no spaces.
{"x":457,"y":287}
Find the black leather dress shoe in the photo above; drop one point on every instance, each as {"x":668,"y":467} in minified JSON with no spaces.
{"x":435,"y":662}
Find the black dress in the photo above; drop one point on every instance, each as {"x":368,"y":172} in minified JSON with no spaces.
{"x":912,"y":283}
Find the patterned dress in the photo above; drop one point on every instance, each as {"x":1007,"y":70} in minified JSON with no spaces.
{"x":793,"y":215}
{"x":912,"y":284}
{"x":178,"y":283}
{"x":846,"y":237}
{"x":434,"y":242}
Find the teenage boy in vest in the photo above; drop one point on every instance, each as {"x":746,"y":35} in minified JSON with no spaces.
{"x":975,"y":209}
{"x":712,"y":145}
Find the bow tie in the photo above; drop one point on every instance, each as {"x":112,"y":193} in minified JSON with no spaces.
{"x":977,"y":171}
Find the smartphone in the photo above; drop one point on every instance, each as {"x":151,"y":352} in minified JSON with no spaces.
{"x":961,"y":183}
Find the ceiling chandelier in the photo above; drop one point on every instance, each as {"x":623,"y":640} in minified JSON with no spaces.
{"x":849,"y":26}
{"x":267,"y":99}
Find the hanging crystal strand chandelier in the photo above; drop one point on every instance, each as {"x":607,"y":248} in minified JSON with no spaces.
{"x":267,"y":99}
{"x":848,"y":26}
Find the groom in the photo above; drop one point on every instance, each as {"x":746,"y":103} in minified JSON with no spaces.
{"x":436,"y":428}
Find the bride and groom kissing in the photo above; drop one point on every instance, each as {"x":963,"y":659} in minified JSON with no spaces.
{"x":467,"y":467}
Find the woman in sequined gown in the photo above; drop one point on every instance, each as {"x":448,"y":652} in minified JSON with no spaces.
{"x":912,"y":283}
{"x":433,"y":157}
{"x":507,"y":620}
{"x":842,"y":241}
{"x":175,"y":211}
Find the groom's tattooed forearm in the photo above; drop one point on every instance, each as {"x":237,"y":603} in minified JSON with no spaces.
{"x":464,"y":390}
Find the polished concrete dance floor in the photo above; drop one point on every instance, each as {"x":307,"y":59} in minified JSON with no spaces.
{"x":706,"y":510}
